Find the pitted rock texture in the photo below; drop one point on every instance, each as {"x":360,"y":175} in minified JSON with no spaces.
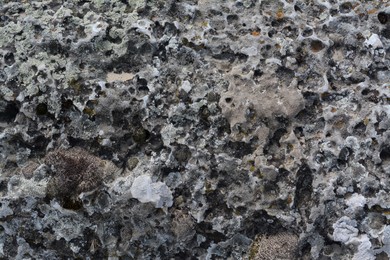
{"x":194,"y":129}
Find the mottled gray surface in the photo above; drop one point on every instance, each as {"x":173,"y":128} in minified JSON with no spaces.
{"x":194,"y":129}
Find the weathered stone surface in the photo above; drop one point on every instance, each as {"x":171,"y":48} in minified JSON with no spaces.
{"x":194,"y":129}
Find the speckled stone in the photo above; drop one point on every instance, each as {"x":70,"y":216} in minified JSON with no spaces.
{"x":194,"y":129}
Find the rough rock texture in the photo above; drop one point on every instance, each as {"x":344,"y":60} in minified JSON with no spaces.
{"x":194,"y":129}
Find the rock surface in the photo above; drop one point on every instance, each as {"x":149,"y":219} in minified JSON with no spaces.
{"x":194,"y":129}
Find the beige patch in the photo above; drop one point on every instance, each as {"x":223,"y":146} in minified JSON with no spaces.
{"x":112,"y":77}
{"x":267,"y":99}
{"x":278,"y":246}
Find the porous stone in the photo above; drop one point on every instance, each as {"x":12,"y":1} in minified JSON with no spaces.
{"x":194,"y":129}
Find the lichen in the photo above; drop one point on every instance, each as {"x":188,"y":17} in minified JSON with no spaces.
{"x":73,"y":171}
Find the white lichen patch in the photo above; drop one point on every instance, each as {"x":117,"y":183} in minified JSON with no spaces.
{"x":157,"y":193}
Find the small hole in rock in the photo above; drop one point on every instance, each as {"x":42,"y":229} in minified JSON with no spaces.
{"x":271,"y":33}
{"x":297,"y":9}
{"x":232,"y":18}
{"x":9,"y":113}
{"x":257,"y":73}
{"x":383,"y":17}
{"x":307,"y":32}
{"x":333,"y":12}
{"x":228,"y":100}
{"x":345,"y":7}
{"x":316,"y":45}
{"x":71,"y":204}
{"x":9,"y":59}
{"x":41,"y":109}
{"x":385,"y":153}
